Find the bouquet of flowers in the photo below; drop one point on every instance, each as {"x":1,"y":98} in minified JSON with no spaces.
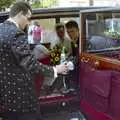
{"x":55,"y":55}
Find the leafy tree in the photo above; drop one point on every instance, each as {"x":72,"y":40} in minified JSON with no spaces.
{"x":43,"y":3}
{"x":5,"y":4}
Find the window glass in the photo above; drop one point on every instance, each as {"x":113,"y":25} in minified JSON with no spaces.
{"x":103,"y":31}
{"x":44,"y":34}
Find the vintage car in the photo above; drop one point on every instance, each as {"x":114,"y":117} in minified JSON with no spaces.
{"x":100,"y":63}
{"x":96,"y":95}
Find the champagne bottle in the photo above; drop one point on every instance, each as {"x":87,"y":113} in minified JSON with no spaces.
{"x":62,"y":56}
{"x":62,"y":61}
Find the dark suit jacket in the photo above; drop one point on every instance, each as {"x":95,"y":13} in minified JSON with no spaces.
{"x":18,"y":66}
{"x":74,"y":75}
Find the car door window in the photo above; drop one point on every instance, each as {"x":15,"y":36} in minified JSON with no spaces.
{"x":103,"y":32}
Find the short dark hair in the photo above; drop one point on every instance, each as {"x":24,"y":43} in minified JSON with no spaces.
{"x":58,"y":26}
{"x":18,"y":7}
{"x":71,"y":24}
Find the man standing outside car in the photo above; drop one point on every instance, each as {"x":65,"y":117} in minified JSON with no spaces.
{"x":18,"y":66}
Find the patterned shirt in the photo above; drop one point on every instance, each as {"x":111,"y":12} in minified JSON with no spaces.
{"x":18,"y":66}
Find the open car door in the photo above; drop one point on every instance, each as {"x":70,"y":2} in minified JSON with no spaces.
{"x":100,"y":63}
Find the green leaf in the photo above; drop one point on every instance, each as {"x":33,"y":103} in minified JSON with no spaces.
{"x":44,"y":3}
{"x":5,"y":4}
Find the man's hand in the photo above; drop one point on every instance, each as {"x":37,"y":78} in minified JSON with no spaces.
{"x":62,"y":69}
{"x":70,"y":65}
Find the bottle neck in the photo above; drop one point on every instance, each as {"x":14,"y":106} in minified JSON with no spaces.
{"x":63,"y":50}
{"x":63,"y":56}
